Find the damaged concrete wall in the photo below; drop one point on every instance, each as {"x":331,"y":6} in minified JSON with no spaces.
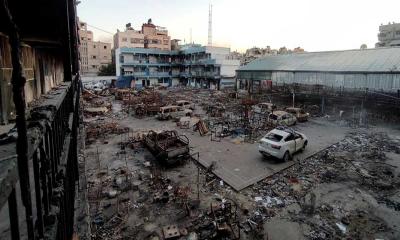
{"x":43,"y":70}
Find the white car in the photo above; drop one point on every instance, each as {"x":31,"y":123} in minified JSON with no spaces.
{"x":185,"y":104}
{"x":264,"y":108}
{"x":173,"y":112}
{"x":282,"y":143}
{"x":282,"y":118}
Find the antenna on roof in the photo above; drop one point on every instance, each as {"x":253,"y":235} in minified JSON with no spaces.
{"x":210,"y":25}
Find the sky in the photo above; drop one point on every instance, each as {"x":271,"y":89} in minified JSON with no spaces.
{"x":315,"y":25}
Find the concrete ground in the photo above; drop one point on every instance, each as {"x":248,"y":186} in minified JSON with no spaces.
{"x":341,"y":178}
{"x":237,"y":163}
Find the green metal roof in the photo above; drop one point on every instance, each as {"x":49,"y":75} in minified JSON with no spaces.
{"x":368,"y":60}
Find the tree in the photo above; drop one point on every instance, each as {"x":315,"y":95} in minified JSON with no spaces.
{"x":363,"y":46}
{"x":107,"y":70}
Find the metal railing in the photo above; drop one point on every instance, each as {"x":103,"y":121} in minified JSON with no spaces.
{"x":52,"y":150}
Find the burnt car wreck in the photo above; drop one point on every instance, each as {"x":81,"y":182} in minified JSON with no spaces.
{"x":168,"y":146}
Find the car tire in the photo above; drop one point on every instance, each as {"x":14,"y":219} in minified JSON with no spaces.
{"x":286,"y":157}
{"x":304,"y":146}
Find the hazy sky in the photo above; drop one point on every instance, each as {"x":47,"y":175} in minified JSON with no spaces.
{"x":315,"y":25}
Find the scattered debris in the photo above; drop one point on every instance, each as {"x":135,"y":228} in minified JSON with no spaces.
{"x":333,"y":194}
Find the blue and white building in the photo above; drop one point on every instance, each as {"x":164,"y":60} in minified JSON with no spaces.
{"x":192,"y":65}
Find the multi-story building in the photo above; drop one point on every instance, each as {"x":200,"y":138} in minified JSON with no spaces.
{"x":94,"y":54}
{"x":150,"y":36}
{"x":192,"y":65}
{"x":130,"y":38}
{"x":389,"y":35}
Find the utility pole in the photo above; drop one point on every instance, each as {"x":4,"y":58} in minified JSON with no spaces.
{"x":210,"y":25}
{"x":293,"y":96}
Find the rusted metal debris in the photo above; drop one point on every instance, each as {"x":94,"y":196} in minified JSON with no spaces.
{"x":167,"y":146}
{"x":96,"y":131}
{"x":201,"y":127}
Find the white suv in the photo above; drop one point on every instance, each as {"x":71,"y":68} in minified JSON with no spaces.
{"x":282,"y":143}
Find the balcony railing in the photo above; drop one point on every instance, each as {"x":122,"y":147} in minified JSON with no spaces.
{"x":52,"y":150}
{"x":204,"y":61}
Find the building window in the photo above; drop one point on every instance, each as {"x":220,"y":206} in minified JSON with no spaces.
{"x":94,"y":66}
{"x":397,"y":32}
{"x":105,"y":47}
{"x":89,"y":39}
{"x":124,"y":39}
{"x":94,"y":46}
{"x":136,"y":40}
{"x":93,"y":57}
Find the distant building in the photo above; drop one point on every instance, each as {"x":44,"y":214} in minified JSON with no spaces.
{"x":389,"y":35}
{"x":149,"y":57}
{"x":376,"y":69}
{"x":192,"y":65}
{"x":93,"y":54}
{"x":150,"y":36}
{"x":175,"y":44}
{"x":256,"y":52}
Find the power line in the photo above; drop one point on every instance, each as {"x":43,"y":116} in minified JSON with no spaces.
{"x":101,"y":29}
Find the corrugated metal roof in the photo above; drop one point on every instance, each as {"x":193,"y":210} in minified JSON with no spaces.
{"x":368,"y":60}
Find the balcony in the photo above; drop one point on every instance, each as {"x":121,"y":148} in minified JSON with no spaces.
{"x":200,"y":62}
{"x":151,"y":74}
{"x":200,"y":74}
{"x":145,"y":63}
{"x":52,"y":141}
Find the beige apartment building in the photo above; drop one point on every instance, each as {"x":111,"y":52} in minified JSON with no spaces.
{"x":130,"y":38}
{"x":389,"y":35}
{"x":150,"y":36}
{"x":94,"y":54}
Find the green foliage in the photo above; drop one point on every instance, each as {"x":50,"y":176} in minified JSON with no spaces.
{"x":107,"y":70}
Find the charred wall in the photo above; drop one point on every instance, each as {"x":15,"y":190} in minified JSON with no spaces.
{"x":43,"y":69}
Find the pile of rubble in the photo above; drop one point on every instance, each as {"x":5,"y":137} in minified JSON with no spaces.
{"x":97,"y":130}
{"x":358,"y":161}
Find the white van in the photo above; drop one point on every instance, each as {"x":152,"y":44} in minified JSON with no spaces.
{"x":172,"y":111}
{"x":183,"y":104}
{"x":282,"y":118}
